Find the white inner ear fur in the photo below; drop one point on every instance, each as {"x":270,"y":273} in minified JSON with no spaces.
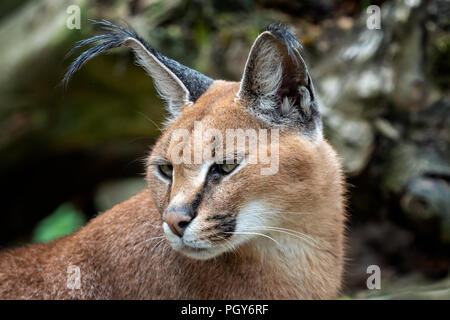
{"x":269,"y":75}
{"x":264,"y":71}
{"x":267,"y":78}
{"x":267,"y":72}
{"x":167,"y":84}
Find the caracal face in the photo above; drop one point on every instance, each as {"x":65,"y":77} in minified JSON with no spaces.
{"x":228,"y":195}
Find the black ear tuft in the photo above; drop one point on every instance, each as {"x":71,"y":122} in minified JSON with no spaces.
{"x":276,"y":84}
{"x":166,"y":72}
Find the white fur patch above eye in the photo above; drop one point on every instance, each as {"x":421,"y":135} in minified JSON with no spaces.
{"x":201,"y":176}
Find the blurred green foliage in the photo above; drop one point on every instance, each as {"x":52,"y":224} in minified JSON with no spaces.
{"x":65,"y":220}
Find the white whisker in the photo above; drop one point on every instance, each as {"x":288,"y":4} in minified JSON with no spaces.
{"x":147,"y":240}
{"x":258,"y":234}
{"x":295,"y":212}
{"x":165,"y":248}
{"x":291,"y":232}
{"x":160,"y":237}
{"x":156,"y":245}
{"x":229,"y":245}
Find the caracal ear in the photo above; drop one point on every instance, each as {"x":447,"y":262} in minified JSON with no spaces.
{"x":177,"y":84}
{"x":276,"y":85}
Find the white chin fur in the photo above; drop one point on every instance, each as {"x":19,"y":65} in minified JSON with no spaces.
{"x":199,"y":253}
{"x":203,"y":254}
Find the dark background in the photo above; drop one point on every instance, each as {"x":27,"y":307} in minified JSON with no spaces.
{"x":66,"y":155}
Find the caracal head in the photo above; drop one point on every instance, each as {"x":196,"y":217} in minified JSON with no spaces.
{"x":239,"y":163}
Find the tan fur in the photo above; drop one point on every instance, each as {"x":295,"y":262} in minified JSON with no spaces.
{"x":119,"y":258}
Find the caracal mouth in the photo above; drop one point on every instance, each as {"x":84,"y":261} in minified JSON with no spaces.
{"x":189,"y":250}
{"x":198,"y":252}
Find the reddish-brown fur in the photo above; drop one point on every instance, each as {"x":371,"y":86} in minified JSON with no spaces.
{"x":118,"y":258}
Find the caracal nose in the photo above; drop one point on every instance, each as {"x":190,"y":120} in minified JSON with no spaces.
{"x":178,"y":221}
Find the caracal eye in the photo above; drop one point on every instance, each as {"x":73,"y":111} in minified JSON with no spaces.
{"x":166,"y":170}
{"x":228,"y":167}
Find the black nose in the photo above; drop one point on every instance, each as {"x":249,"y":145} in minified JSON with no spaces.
{"x":178,"y":220}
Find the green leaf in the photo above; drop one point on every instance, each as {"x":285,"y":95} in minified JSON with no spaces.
{"x":63,"y":221}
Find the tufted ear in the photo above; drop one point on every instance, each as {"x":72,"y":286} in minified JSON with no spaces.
{"x":276,"y":85}
{"x":177,"y":84}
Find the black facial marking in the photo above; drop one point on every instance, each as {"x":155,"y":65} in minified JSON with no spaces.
{"x":196,"y":203}
{"x":217,"y":217}
{"x":222,"y":230}
{"x":228,"y":227}
{"x":214,"y":174}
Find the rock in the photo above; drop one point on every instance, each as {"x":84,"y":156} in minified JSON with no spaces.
{"x":427,"y":199}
